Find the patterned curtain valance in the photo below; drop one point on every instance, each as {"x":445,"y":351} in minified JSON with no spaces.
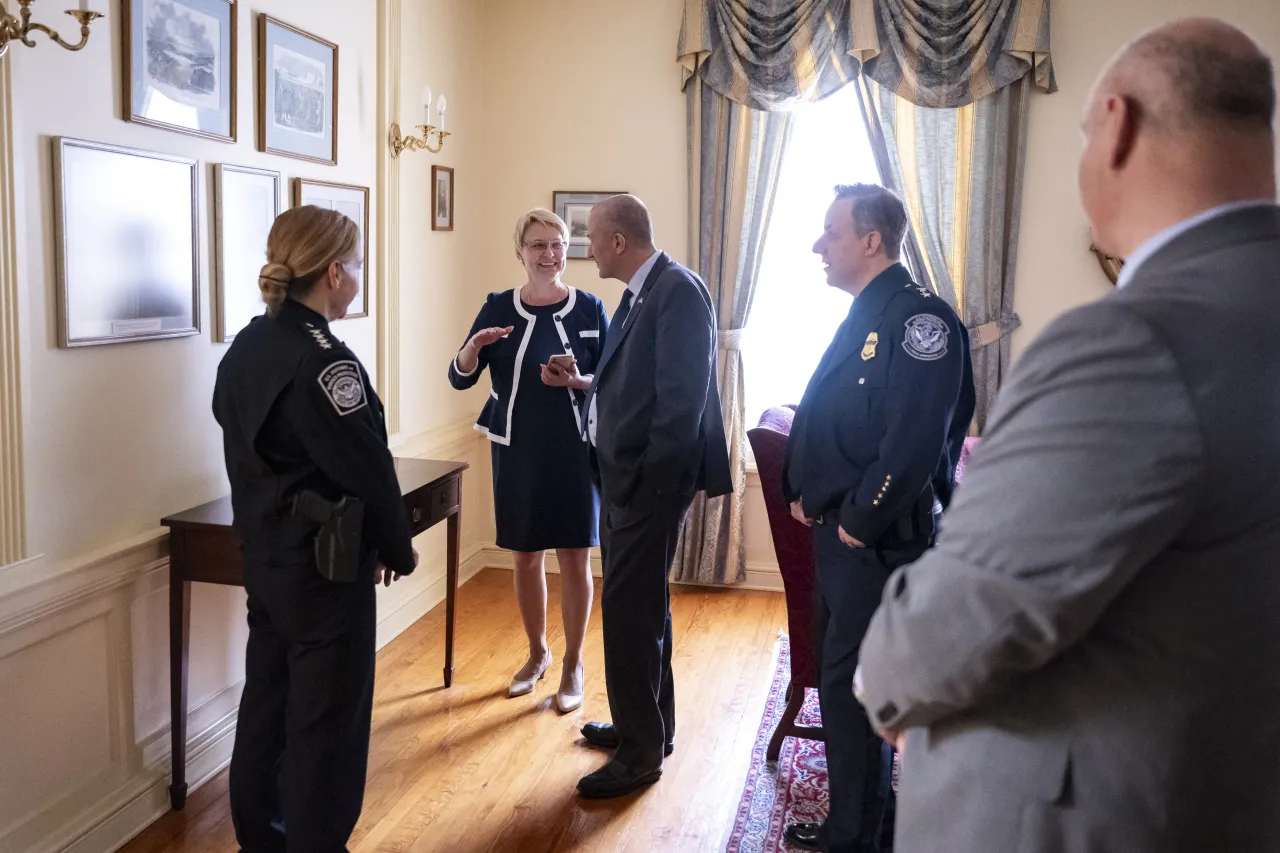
{"x":768,"y":54}
{"x":771,"y":54}
{"x":950,"y":53}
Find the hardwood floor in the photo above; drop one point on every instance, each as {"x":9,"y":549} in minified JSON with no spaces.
{"x":467,"y":770}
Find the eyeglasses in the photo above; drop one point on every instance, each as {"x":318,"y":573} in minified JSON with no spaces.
{"x":540,"y":246}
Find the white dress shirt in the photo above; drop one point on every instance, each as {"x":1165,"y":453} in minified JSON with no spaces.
{"x":635,"y":285}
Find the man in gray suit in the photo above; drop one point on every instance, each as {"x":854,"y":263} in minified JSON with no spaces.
{"x":653,"y":415}
{"x":1085,"y":661}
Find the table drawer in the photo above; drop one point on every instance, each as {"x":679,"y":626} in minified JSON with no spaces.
{"x":428,"y":506}
{"x":210,"y":556}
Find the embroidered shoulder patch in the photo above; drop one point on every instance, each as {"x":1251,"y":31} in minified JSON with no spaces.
{"x":344,"y":386}
{"x":926,"y":337}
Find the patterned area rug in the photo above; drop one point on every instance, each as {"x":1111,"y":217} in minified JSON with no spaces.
{"x":795,"y":789}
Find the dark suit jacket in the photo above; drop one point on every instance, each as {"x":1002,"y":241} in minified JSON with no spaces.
{"x":659,"y":429}
{"x":1086,"y":659}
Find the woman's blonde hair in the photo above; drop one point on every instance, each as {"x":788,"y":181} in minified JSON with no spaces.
{"x":540,"y":216}
{"x":302,"y":244}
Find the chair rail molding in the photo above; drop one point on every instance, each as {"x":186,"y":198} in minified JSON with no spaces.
{"x":13,"y":544}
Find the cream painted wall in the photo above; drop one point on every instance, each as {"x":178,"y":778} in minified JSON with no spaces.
{"x":585,"y":95}
{"x":441,"y":46}
{"x":1056,"y":271}
{"x":116,"y":436}
{"x":580,"y":95}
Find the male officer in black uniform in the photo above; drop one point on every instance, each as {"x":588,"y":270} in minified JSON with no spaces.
{"x":305,"y":439}
{"x":870,"y":464}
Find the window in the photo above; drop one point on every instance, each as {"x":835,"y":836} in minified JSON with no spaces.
{"x":794,"y":313}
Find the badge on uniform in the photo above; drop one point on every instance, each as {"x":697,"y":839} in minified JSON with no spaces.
{"x":869,"y":348}
{"x":344,"y":386}
{"x":926,"y":337}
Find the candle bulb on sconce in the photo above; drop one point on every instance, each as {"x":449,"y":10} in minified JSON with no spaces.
{"x":413,"y":143}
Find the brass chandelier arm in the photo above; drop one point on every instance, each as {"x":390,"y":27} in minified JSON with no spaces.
{"x":14,"y":29}
{"x":412,"y":143}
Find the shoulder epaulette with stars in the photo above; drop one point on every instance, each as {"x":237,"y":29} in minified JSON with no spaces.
{"x":319,"y":336}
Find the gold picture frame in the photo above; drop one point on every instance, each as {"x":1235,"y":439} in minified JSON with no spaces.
{"x":177,"y":91}
{"x":128,"y":263}
{"x":442,"y":196}
{"x":240,"y":233}
{"x":297,"y":122}
{"x":346,"y":199}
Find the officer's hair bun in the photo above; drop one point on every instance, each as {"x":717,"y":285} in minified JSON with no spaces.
{"x":303,"y":244}
{"x":274,"y":281}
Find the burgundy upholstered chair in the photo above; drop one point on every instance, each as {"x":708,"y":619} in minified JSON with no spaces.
{"x":793,"y":544}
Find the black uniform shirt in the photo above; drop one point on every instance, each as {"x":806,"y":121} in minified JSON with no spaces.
{"x":298,"y":412}
{"x":886,"y":412}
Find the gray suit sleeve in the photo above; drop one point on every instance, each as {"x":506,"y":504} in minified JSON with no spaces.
{"x":685,"y":354}
{"x":1090,"y":467}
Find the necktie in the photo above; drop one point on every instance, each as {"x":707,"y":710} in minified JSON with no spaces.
{"x":624,"y":308}
{"x":612,"y":336}
{"x":614,"y":333}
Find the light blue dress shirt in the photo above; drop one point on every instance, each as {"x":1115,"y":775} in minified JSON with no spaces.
{"x":1144,"y":252}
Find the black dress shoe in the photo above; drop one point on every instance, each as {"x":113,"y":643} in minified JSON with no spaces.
{"x":803,"y":835}
{"x":616,"y":779}
{"x":605,"y":736}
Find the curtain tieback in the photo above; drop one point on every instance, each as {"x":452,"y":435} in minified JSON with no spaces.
{"x":730,"y":339}
{"x":989,"y":333}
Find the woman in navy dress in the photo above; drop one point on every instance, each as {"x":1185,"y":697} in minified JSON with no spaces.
{"x":543,"y":492}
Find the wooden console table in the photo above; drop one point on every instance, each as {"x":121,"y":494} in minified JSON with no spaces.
{"x":204,"y":549}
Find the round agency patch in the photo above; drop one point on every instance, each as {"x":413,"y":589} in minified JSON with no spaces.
{"x":926,"y":337}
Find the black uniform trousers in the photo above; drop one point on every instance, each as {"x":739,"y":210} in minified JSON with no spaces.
{"x":302,"y":740}
{"x":850,"y":584}
{"x":638,"y":543}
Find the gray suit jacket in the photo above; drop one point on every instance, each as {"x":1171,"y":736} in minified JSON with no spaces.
{"x":1087,"y":660}
{"x":660,"y":431}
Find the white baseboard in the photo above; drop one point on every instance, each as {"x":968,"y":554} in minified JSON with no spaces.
{"x":395,"y":623}
{"x":760,"y":576}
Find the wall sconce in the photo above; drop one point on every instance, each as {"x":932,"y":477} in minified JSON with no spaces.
{"x":12,"y":29}
{"x":412,"y":143}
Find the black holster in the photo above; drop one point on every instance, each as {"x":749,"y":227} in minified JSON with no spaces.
{"x":337,"y":546}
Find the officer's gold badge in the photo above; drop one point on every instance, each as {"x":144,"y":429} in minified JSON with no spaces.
{"x":869,"y":348}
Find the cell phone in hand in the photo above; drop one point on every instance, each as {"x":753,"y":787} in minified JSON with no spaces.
{"x":564,"y":362}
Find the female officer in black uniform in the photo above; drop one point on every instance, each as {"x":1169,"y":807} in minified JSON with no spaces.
{"x":302,"y":432}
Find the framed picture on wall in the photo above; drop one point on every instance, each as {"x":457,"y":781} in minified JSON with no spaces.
{"x":442,"y":198}
{"x":246,"y":203}
{"x":574,"y":206}
{"x":352,"y":202}
{"x":126,"y":244}
{"x":297,"y":93}
{"x":180,"y":65}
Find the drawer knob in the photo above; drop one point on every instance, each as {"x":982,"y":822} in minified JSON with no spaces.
{"x":417,"y":514}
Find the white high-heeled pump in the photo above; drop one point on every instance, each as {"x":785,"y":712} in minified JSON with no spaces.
{"x":567,"y":702}
{"x":523,"y":687}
